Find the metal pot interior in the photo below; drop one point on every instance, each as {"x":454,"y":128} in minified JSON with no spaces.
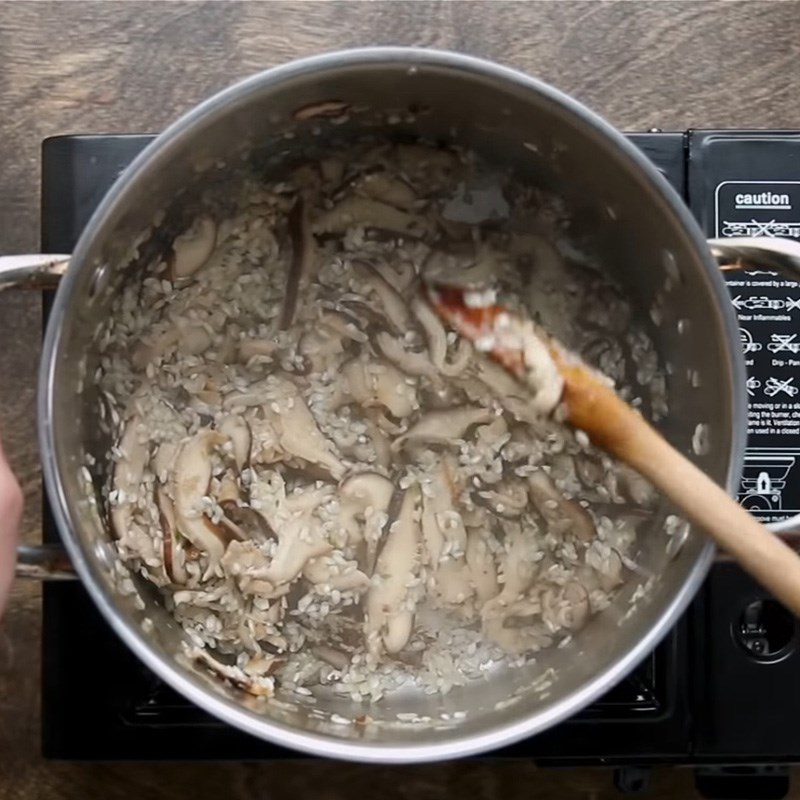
{"x":625,"y":220}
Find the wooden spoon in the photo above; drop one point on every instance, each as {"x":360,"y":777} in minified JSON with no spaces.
{"x":588,"y":402}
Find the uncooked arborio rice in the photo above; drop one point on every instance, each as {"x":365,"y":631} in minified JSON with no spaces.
{"x":327,"y":486}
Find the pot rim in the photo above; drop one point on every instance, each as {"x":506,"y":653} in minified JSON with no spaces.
{"x":138,"y":642}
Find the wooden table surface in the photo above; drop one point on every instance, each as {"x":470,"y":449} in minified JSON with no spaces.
{"x":103,"y":67}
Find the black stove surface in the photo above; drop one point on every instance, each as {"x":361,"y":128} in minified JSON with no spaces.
{"x":723,"y":686}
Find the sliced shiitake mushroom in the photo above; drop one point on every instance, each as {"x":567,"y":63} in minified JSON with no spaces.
{"x":298,"y":433}
{"x":390,"y":299}
{"x":410,"y":362}
{"x":191,"y":480}
{"x":128,"y":473}
{"x":356,"y":211}
{"x":389,"y":614}
{"x":386,"y":188}
{"x":560,"y":512}
{"x":444,"y":427}
{"x":380,"y":384}
{"x":252,"y":525}
{"x":303,"y":254}
{"x":364,"y":499}
{"x":192,"y":248}
{"x":565,"y":606}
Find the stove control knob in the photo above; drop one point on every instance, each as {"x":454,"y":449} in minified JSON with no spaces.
{"x":766,"y":631}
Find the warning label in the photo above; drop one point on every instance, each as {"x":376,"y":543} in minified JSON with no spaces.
{"x":768,"y":308}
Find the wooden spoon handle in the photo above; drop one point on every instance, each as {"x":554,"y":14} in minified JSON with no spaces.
{"x":615,"y":426}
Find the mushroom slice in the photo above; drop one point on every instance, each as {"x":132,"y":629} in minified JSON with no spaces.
{"x":432,"y":536}
{"x":338,"y":659}
{"x":437,"y":340}
{"x":238,"y":432}
{"x":298,"y":434}
{"x":321,"y":571}
{"x":519,"y":569}
{"x":558,"y":511}
{"x":303,"y":253}
{"x":258,"y":686}
{"x":252,"y":396}
{"x":193,"y":247}
{"x":391,"y":600}
{"x":494,"y":435}
{"x":383,"y":450}
{"x":511,"y":394}
{"x":411,"y":363}
{"x":324,"y":108}
{"x":565,"y":607}
{"x":462,"y":358}
{"x":387,"y":189}
{"x":498,"y":379}
{"x":453,"y":586}
{"x":317,"y":346}
{"x":263,"y":664}
{"x":604,"y":565}
{"x":308,"y":498}
{"x":442,"y":526}
{"x":174,"y":557}
{"x":362,"y":211}
{"x":264,"y":448}
{"x":519,"y":562}
{"x":365,"y":496}
{"x":434,"y":330}
{"x":249,"y":523}
{"x":299,"y":539}
{"x":249,"y":348}
{"x":380,"y":384}
{"x":343,"y":325}
{"x":191,"y":479}
{"x":419,"y":161}
{"x":128,"y":473}
{"x":444,"y":427}
{"x":482,"y":567}
{"x":401,"y":274}
{"x":445,"y":539}
{"x":508,"y":499}
{"x":245,"y":559}
{"x":393,"y":304}
{"x":465,"y":265}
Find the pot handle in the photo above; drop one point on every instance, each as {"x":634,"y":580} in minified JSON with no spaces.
{"x":739,"y":252}
{"x":45,"y":561}
{"x":777,"y":255}
{"x":32,"y":271}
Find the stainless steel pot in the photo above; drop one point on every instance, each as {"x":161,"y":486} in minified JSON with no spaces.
{"x":625,"y":215}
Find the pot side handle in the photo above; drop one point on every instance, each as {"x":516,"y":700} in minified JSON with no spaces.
{"x":32,"y":271}
{"x":742,"y":253}
{"x":777,"y":255}
{"x":45,"y":561}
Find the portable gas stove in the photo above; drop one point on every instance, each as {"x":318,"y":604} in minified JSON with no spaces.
{"x":721,"y":693}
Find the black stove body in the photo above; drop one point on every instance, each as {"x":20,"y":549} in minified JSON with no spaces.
{"x":721,"y":693}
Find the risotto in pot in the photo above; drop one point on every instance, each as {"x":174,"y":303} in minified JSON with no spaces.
{"x":329,"y":487}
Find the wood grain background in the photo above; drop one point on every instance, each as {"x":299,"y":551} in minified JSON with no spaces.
{"x":102,"y":67}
